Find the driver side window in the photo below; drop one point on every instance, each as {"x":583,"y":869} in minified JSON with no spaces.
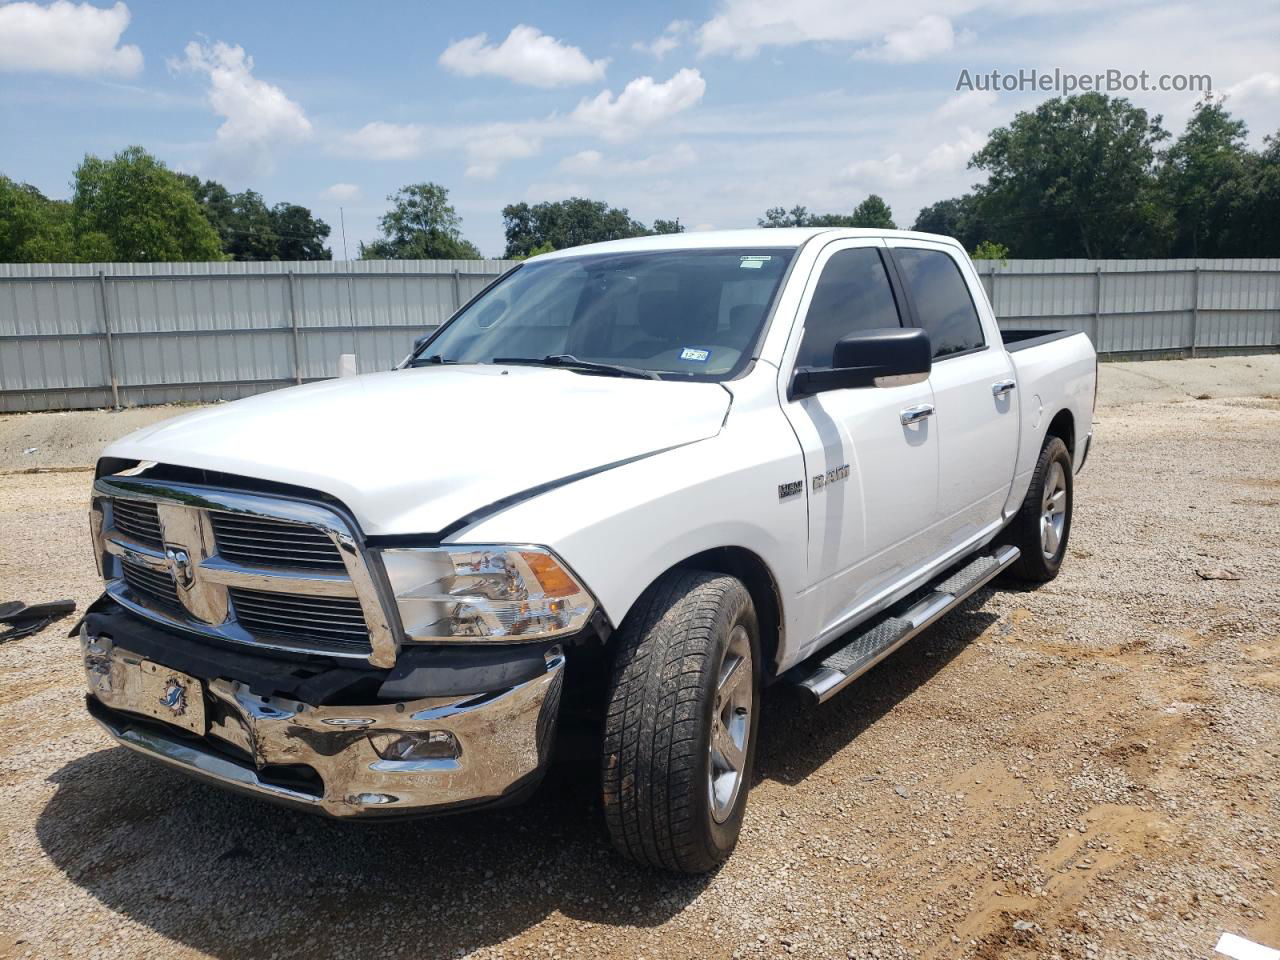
{"x":852,"y":294}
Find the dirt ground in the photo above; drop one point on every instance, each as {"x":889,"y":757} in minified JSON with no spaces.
{"x":1085,"y":770}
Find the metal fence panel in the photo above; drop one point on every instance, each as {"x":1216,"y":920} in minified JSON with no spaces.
{"x":85,"y":335}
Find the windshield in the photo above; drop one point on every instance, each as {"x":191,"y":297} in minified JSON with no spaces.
{"x":689,"y":313}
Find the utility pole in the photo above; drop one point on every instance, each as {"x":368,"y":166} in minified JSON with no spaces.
{"x":342,"y":219}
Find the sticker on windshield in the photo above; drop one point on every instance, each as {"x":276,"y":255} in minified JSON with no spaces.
{"x":696,"y":355}
{"x":752,"y":263}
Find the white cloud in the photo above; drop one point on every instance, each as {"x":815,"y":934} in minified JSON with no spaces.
{"x":894,"y":171}
{"x":487,"y":152}
{"x":379,"y":140}
{"x":584,"y":161}
{"x":927,"y":37}
{"x":1260,"y":86}
{"x":63,"y":37}
{"x":259,"y":117}
{"x":551,"y":190}
{"x":642,"y":103}
{"x":527,"y":56}
{"x":967,"y":102}
{"x":743,"y":27}
{"x":594,"y":163}
{"x":341,"y":191}
{"x":670,"y":38}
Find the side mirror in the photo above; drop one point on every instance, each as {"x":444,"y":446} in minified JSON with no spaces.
{"x":886,"y":357}
{"x":419,"y":341}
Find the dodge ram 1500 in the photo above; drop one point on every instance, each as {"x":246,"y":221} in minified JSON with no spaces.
{"x":650,"y":477}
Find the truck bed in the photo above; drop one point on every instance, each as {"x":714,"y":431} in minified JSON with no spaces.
{"x":1015,"y":340}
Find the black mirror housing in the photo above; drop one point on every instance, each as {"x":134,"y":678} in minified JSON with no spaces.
{"x":882,"y":357}
{"x":419,"y":341}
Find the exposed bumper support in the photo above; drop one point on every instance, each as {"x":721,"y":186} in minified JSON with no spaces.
{"x":1084,"y":455}
{"x":260,"y":745}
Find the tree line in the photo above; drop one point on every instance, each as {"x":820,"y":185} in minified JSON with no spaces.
{"x":1083,"y":176}
{"x":132,"y":208}
{"x":423,"y":224}
{"x":1090,"y":176}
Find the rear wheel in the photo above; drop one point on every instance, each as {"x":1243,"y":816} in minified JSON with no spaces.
{"x":680,"y":727}
{"x":1043,"y":523}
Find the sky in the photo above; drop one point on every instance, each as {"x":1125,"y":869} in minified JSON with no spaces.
{"x":707,"y":112}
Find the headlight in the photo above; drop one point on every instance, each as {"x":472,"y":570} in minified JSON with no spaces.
{"x":496,"y":594}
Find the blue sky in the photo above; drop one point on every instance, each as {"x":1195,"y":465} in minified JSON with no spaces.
{"x":710,"y":112}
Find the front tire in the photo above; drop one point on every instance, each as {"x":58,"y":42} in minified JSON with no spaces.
{"x":1043,"y":523}
{"x":680,"y":725}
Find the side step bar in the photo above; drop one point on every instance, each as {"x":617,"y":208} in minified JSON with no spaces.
{"x":823,"y":679}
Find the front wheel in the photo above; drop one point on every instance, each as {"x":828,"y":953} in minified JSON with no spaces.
{"x":680,"y":727}
{"x":1043,"y":523}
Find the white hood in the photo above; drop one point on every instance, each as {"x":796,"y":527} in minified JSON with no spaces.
{"x":412,"y":451}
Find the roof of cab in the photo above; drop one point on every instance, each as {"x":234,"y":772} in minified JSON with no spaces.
{"x":710,"y":239}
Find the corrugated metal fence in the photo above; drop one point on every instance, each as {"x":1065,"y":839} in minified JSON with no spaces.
{"x":1134,"y":307}
{"x":94,"y":335}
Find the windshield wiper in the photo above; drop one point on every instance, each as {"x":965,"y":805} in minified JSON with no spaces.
{"x":435,"y":358}
{"x":570,"y":362}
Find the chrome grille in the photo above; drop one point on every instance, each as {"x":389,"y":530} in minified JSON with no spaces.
{"x":335,"y":620}
{"x":272,"y":571}
{"x":151,"y":585}
{"x":263,"y":541}
{"x":139,"y":520}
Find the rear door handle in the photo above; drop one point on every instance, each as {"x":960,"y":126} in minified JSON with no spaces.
{"x":921,"y":411}
{"x":1001,"y":387}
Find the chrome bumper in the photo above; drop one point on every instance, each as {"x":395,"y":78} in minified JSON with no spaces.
{"x":503,"y":739}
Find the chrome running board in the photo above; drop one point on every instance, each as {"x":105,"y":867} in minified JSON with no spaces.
{"x":823,"y":679}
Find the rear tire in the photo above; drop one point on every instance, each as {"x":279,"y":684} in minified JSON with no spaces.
{"x":1043,"y":523}
{"x":680,"y":724}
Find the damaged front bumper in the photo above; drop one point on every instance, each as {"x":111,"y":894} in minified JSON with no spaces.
{"x":343,"y":761}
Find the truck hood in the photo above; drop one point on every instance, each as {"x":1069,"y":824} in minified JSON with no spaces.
{"x":415,"y":450}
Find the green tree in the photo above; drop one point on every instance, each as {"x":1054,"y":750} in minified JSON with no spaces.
{"x":545,"y":248}
{"x":797,"y":216}
{"x":873,"y":213}
{"x":299,"y":235}
{"x":421,"y":225}
{"x":33,"y":228}
{"x":1074,"y":178}
{"x":956,"y":217}
{"x":987,"y":250}
{"x":1201,"y":178}
{"x":249,"y":230}
{"x":1254,"y":225}
{"x":141,"y":210}
{"x":566,"y":223}
{"x":215,"y":201}
{"x":668,"y":226}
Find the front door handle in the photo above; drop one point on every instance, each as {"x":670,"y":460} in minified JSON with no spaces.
{"x":921,"y":411}
{"x":1001,"y":387}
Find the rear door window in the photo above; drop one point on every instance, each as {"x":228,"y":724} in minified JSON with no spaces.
{"x":852,"y":294}
{"x":942,"y":301}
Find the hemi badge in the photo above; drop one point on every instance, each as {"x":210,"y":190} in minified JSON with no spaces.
{"x":786,"y":490}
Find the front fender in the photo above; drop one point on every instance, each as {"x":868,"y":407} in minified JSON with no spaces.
{"x":621,"y":529}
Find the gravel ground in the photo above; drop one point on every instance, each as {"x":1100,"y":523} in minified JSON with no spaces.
{"x":1084,"y":770}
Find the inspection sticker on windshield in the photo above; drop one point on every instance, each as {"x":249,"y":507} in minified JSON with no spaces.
{"x":752,"y":263}
{"x":698,"y":356}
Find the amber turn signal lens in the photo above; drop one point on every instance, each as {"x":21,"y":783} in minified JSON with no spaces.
{"x":555,"y":582}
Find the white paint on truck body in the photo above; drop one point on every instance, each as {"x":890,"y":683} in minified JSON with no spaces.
{"x":659,"y":471}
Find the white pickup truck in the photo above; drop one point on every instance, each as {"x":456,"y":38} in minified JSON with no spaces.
{"x":641,"y":479}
